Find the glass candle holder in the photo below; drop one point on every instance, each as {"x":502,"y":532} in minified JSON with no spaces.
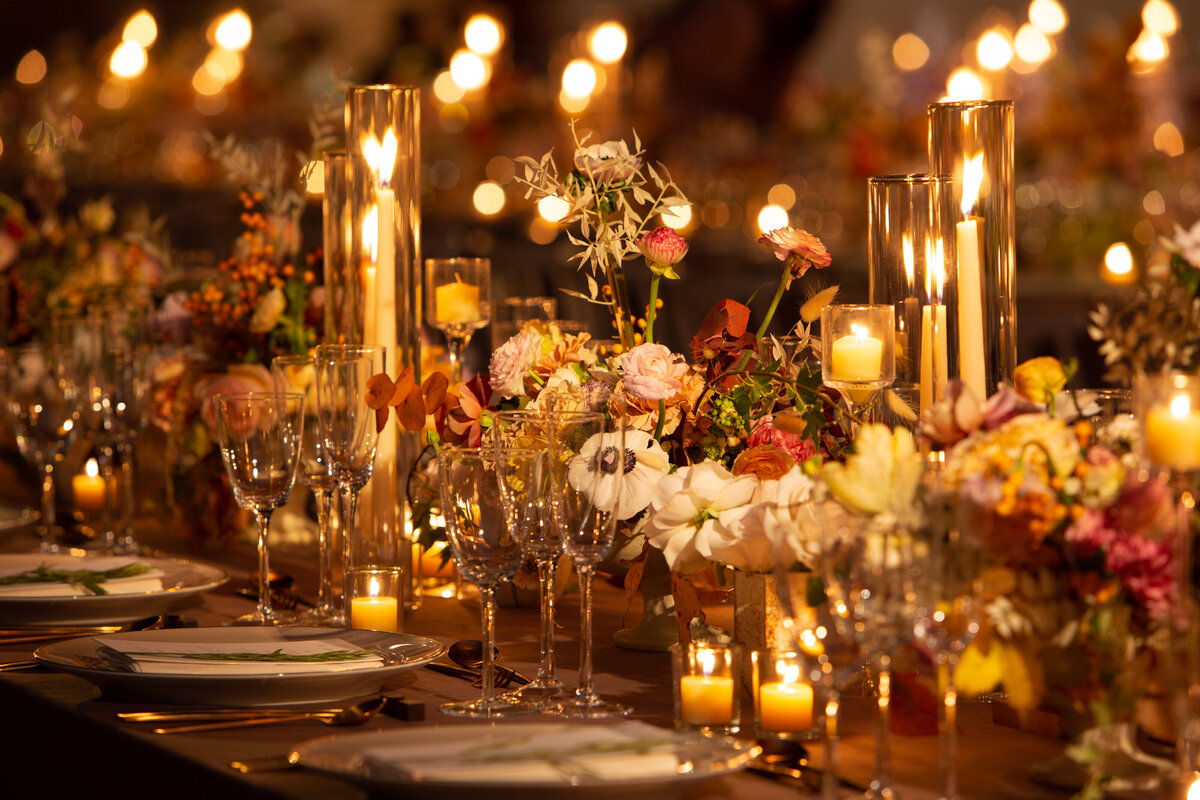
{"x":1168,"y":411}
{"x":973,"y":142}
{"x":785,"y":702}
{"x":374,"y":598}
{"x":858,"y":350}
{"x":704,"y":677}
{"x":512,"y":313}
{"x":910,"y":243}
{"x":457,"y":302}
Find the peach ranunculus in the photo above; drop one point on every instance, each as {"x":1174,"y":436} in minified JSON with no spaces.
{"x":652,"y":372}
{"x":643,"y":414}
{"x":663,"y":248}
{"x":765,"y":461}
{"x":238,"y":378}
{"x":1038,"y":380}
{"x":798,"y":248}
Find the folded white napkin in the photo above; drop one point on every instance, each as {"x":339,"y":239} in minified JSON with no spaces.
{"x":166,"y":657}
{"x":149,"y":580}
{"x":562,"y":754}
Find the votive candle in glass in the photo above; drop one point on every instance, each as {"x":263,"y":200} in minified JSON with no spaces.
{"x":1168,"y":407}
{"x":784,"y":698}
{"x":374,"y":599}
{"x":706,"y":696}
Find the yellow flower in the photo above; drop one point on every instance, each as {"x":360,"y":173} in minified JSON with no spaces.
{"x":1039,"y":379}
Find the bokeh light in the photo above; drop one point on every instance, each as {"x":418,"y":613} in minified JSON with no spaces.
{"x":552,"y":208}
{"x":229,"y":62}
{"x":234,"y":30}
{"x":910,"y":52}
{"x":1048,"y":16}
{"x":964,"y":85}
{"x":771,"y":218}
{"x":608,"y":42}
{"x":1159,"y":17}
{"x":1168,"y":140}
{"x":488,"y":198}
{"x":141,"y":28}
{"x":579,"y":78}
{"x":128,"y":60}
{"x":31,"y":68}
{"x":446,"y":89}
{"x":468,"y":70}
{"x":1032,"y":46}
{"x":1118,"y":263}
{"x":1148,"y":49}
{"x":208,"y":80}
{"x":677,"y":217}
{"x":113,"y":94}
{"x":994,"y":50}
{"x":483,"y":34}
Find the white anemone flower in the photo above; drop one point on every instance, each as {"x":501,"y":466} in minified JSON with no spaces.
{"x":624,"y":481}
{"x":693,"y":505}
{"x":778,"y":528}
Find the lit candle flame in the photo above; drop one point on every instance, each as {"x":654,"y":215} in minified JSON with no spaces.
{"x":860,"y":332}
{"x":935,"y":271}
{"x":1181,"y":406}
{"x":707,"y":660}
{"x":906,"y":244}
{"x":787,"y":672}
{"x":92,"y":469}
{"x":373,"y":588}
{"x":972,"y":180}
{"x":381,"y":157}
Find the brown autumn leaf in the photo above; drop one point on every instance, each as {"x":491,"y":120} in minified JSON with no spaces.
{"x":381,"y":416}
{"x":411,"y":412}
{"x":687,"y":605}
{"x":379,"y":391}
{"x":633,"y":578}
{"x":405,"y":383}
{"x":434,"y":388}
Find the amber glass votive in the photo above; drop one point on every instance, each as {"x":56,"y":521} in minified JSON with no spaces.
{"x":373,"y":599}
{"x":785,"y":703}
{"x":705,"y":685}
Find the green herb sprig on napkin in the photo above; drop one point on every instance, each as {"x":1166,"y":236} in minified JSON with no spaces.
{"x":276,"y":655}
{"x":87,"y":578}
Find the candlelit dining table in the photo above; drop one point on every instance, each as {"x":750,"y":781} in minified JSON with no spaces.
{"x":62,"y":737}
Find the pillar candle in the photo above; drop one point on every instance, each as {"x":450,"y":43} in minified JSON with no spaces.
{"x":857,"y":357}
{"x":1173,"y":435}
{"x":706,"y":699}
{"x":785,"y":707}
{"x":457,"y":303}
{"x":931,"y":344}
{"x":971,"y":363}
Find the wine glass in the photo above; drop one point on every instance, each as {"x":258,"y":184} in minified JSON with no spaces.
{"x":347,"y":424}
{"x":260,"y":435}
{"x":456,"y":302}
{"x":539,"y":541}
{"x":858,"y":351}
{"x":488,"y":495}
{"x":586,"y":470}
{"x":299,"y":374}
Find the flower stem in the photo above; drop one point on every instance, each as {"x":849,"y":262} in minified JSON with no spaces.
{"x":662,"y":419}
{"x":654,"y":279}
{"x":620,"y":304}
{"x":762,"y":328}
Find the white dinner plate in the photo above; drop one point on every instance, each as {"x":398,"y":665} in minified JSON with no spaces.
{"x":180,"y":579}
{"x":400,"y":651}
{"x":357,"y":756}
{"x":16,"y":516}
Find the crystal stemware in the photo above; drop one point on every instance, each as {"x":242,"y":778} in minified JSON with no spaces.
{"x":586,"y":471}
{"x":456,"y":302}
{"x":260,"y":434}
{"x":40,"y":395}
{"x":299,"y":374}
{"x":539,"y":541}
{"x":347,"y":424}
{"x":857,"y":352}
{"x":488,"y":495}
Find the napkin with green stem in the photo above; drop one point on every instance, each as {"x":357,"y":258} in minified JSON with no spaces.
{"x":82,"y":577}
{"x":168,"y":657}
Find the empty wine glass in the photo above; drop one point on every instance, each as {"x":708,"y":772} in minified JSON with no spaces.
{"x":586,"y":472}
{"x":299,"y":374}
{"x":456,"y":302}
{"x":488,"y":495}
{"x":347,"y":424}
{"x":260,"y":434}
{"x":541,"y":542}
{"x":40,"y":395}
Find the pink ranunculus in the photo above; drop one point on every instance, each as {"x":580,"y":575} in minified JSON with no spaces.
{"x":1146,"y":571}
{"x":652,"y":372}
{"x":663,"y":247}
{"x":798,"y":245}
{"x":1090,"y":534}
{"x":1004,"y":405}
{"x":793,"y":444}
{"x":238,"y":378}
{"x":1144,"y":507}
{"x":512,"y":361}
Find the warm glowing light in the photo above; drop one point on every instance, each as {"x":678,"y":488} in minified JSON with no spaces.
{"x":1154,"y":203}
{"x":910,"y":52}
{"x":229,"y":61}
{"x":446,"y":89}
{"x":1148,"y":49}
{"x":381,"y":155}
{"x":31,"y":68}
{"x":128,"y":60}
{"x":964,"y":85}
{"x":677,"y":217}
{"x":209,"y":79}
{"x":468,"y":70}
{"x":972,"y":180}
{"x":1181,"y":406}
{"x":906,"y":247}
{"x":1159,"y":17}
{"x":579,"y":78}
{"x":1168,"y":140}
{"x":552,"y":208}
{"x":370,"y":236}
{"x":994,"y":50}
{"x":1118,"y":260}
{"x":572,"y":104}
{"x":141,"y":28}
{"x":1193,"y":792}
{"x":772,"y":218}
{"x":1031,"y":45}
{"x":608,"y":42}
{"x":782,"y":195}
{"x":488,"y":198}
{"x":1048,"y":16}
{"x":113,"y":94}
{"x":314,"y":182}
{"x":483,"y":34}
{"x":234,"y":30}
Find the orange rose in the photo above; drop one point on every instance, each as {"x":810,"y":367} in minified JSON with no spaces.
{"x":765,"y":461}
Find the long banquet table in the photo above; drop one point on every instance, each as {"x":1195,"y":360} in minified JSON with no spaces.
{"x":62,"y":738}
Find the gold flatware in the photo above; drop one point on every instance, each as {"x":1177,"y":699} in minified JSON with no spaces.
{"x":13,"y":666}
{"x":356,"y":714}
{"x":213,"y":714}
{"x":24,"y":635}
{"x":263,"y":764}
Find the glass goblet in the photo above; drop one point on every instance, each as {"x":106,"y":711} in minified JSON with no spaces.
{"x":586,"y":470}
{"x":487,"y":496}
{"x":260,"y":435}
{"x":858,"y":352}
{"x":299,"y":374}
{"x":40,"y":395}
{"x":456,"y":302}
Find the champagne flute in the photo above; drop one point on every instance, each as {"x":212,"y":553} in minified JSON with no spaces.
{"x":40,"y":395}
{"x":347,"y":425}
{"x":299,"y":374}
{"x":540,"y":541}
{"x":487,"y":496}
{"x":456,"y":302}
{"x":586,"y":471}
{"x":858,"y":352}
{"x":260,"y":434}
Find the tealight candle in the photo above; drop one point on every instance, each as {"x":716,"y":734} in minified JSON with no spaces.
{"x":457,"y":303}
{"x":706,"y":699}
{"x":89,"y":488}
{"x":375,"y":612}
{"x":857,"y":357}
{"x":785,"y":707}
{"x":1173,"y":434}
{"x":705,"y":692}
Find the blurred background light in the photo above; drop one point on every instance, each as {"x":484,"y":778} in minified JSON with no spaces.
{"x":1159,"y":17}
{"x":910,"y":52}
{"x":579,"y":78}
{"x":141,"y":28}
{"x":964,"y":85}
{"x":468,"y":70}
{"x":1048,"y":16}
{"x":608,"y":42}
{"x":994,"y":50}
{"x":234,"y":30}
{"x":31,"y":68}
{"x":128,"y":60}
{"x":483,"y":34}
{"x":772,"y":217}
